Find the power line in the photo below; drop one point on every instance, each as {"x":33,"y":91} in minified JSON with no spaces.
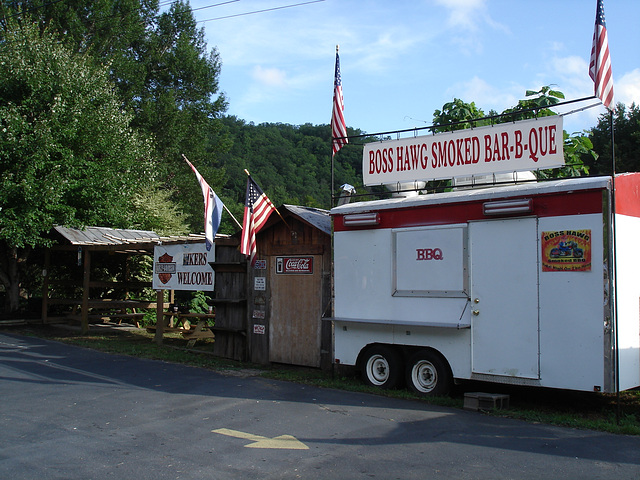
{"x":260,"y":11}
{"x":214,"y":5}
{"x":170,"y":2}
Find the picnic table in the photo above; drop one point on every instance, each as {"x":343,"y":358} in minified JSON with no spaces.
{"x":183,"y":323}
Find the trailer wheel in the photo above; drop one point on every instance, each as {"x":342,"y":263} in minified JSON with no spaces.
{"x":428,"y":374}
{"x":381,"y":367}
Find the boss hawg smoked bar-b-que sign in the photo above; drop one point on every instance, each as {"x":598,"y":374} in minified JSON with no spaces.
{"x":183,"y":267}
{"x":503,"y":148}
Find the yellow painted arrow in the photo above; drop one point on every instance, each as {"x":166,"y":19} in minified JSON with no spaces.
{"x":282,"y":441}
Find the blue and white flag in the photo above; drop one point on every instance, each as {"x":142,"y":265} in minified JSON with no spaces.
{"x":212,"y":208}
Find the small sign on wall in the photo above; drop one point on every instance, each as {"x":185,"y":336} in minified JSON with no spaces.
{"x":260,"y":283}
{"x":294,"y":265}
{"x":566,"y":251}
{"x":258,"y":329}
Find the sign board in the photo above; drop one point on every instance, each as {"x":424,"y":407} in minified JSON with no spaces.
{"x":294,"y":265}
{"x":504,"y":148}
{"x":430,"y":262}
{"x":183,"y":267}
{"x":566,"y":251}
{"x":260,"y":283}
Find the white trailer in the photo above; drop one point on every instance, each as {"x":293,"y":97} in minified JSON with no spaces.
{"x":511,"y":284}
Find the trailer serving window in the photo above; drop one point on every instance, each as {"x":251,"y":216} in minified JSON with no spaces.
{"x":430,"y":262}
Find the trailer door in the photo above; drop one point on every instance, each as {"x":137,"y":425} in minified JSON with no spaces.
{"x":504,"y":297}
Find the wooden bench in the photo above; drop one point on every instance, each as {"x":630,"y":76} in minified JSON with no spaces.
{"x":118,"y":317}
{"x":190,"y":332}
{"x":200,"y":332}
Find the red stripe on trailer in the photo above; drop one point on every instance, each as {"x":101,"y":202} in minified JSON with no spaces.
{"x":547,"y":205}
{"x":628,"y":194}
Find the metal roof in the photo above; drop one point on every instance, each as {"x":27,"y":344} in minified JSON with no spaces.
{"x":105,"y":236}
{"x":127,"y":238}
{"x":316,"y":217}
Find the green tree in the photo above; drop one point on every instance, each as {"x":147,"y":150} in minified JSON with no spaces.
{"x":626,"y":124}
{"x":536,"y":104}
{"x":291,"y":163}
{"x":458,"y":115}
{"x":67,"y":152}
{"x":163,"y":72}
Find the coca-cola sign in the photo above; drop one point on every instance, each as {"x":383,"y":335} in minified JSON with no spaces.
{"x":294,"y":265}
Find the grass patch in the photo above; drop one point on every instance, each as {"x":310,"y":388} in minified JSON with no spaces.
{"x":583,"y":410}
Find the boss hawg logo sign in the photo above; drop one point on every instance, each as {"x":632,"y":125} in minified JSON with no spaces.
{"x":165,"y":268}
{"x":566,"y":251}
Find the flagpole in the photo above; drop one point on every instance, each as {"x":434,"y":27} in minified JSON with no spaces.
{"x":231,"y":215}
{"x":274,"y":207}
{"x":332,"y":152}
{"x":614,"y":262}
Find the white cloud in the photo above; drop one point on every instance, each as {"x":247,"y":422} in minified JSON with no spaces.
{"x":485,"y":95}
{"x":627,"y":88}
{"x":571,"y":76}
{"x":464,"y":13}
{"x":271,"y":77}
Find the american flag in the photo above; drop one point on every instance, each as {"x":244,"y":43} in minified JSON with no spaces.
{"x":212,"y":208}
{"x":600,"y":63}
{"x":338,"y":125}
{"x":257,"y":208}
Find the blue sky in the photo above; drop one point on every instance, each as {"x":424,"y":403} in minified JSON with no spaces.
{"x":402,"y":59}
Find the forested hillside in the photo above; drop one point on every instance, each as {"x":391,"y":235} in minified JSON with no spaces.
{"x":291,"y":163}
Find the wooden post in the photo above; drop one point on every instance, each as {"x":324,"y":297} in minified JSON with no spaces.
{"x":159,"y":317}
{"x":84,"y":323}
{"x":45,"y":285}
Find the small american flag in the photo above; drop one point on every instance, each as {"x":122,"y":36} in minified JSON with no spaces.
{"x":600,"y":62}
{"x":338,"y":125}
{"x":257,"y":208}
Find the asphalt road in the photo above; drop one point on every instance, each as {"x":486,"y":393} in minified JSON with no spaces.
{"x":73,"y":413}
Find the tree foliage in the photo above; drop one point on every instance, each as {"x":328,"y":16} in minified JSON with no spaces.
{"x":163,"y":73}
{"x":67,"y":152}
{"x":291,"y":163}
{"x":63,"y":132}
{"x":626,"y":124}
{"x":458,"y":115}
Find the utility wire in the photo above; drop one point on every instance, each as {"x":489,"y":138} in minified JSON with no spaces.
{"x":214,"y":5}
{"x":164,"y":4}
{"x":193,"y":9}
{"x":260,"y":11}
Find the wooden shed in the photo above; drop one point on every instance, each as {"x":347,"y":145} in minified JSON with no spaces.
{"x":80,"y":258}
{"x":289,"y":289}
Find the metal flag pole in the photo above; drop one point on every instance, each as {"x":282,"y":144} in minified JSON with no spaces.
{"x":331,"y":147}
{"x":614,"y":269}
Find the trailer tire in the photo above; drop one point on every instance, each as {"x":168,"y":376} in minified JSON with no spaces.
{"x":428,"y":373}
{"x":381,"y":367}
